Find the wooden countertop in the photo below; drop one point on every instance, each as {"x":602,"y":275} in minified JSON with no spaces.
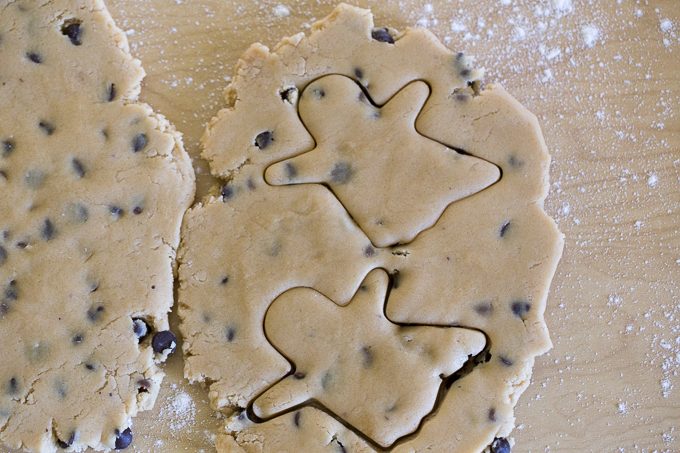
{"x":606,"y":88}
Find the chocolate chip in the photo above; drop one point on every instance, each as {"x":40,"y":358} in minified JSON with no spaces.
{"x":250,"y":184}
{"x":137,"y":210}
{"x":124,"y":439}
{"x":341,"y":173}
{"x":61,"y":389}
{"x":264,"y":139}
{"x":116,"y":211}
{"x":319,"y":93}
{"x":95,"y":313}
{"x":72,"y":29}
{"x":13,"y":386}
{"x":291,"y":171}
{"x":231,"y":333}
{"x":520,"y":308}
{"x":68,"y":442}
{"x":164,"y":341}
{"x":289,"y":94}
{"x":224,"y":280}
{"x":505,"y":361}
{"x":143,"y":385}
{"x":367,"y":356}
{"x":7,"y":147}
{"x":504,"y":228}
{"x":500,"y":445}
{"x":34,"y":57}
{"x":111,"y":95}
{"x":22,"y":244}
{"x":358,"y":73}
{"x":140,"y":328}
{"x":326,"y":380}
{"x":369,"y":251}
{"x":465,"y":73}
{"x":139,"y":142}
{"x":492,"y":414}
{"x":78,"y":338}
{"x":47,"y":127}
{"x":78,"y":167}
{"x":515,"y":162}
{"x":3,"y":255}
{"x":89,"y":366}
{"x":382,"y":35}
{"x":484,"y":308}
{"x":299,"y":375}
{"x":47,"y":231}
{"x":296,"y":419}
{"x":395,"y":278}
{"x":11,"y":291}
{"x":227,"y":192}
{"x":362,"y":97}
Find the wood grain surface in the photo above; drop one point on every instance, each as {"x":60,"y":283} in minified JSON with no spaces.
{"x":603,"y":76}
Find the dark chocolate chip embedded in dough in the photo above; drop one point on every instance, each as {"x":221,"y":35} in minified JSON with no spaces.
{"x":143,"y":385}
{"x":13,"y":386}
{"x":264,"y":139}
{"x":500,"y":445}
{"x":3,"y":255}
{"x":291,"y":171}
{"x":11,"y":291}
{"x":111,"y":92}
{"x":326,"y":380}
{"x":231,"y":333}
{"x":22,"y":244}
{"x":139,"y":142}
{"x":116,"y":211}
{"x":137,"y":210}
{"x":342,"y":173}
{"x":140,"y":328}
{"x":95,"y":312}
{"x":319,"y":93}
{"x":78,"y":167}
{"x":520,"y":308}
{"x":164,"y":341}
{"x":227,"y":192}
{"x":73,"y":31}
{"x":504,"y":228}
{"x":47,"y":127}
{"x":89,"y":366}
{"x":299,"y":375}
{"x":395,"y":277}
{"x":8,"y":147}
{"x":68,"y":442}
{"x":505,"y":361}
{"x":492,"y":414}
{"x":515,"y":162}
{"x":296,"y":419}
{"x":34,"y":57}
{"x":224,"y":280}
{"x":382,"y":35}
{"x":484,"y":308}
{"x":288,"y":94}
{"x":369,"y":251}
{"x":78,"y":338}
{"x":123,"y":439}
{"x":366,"y":356}
{"x":358,"y":73}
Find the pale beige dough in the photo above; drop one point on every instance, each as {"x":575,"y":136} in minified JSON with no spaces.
{"x":342,"y":357}
{"x":93,"y":187}
{"x":478,"y":252}
{"x":393,"y":181}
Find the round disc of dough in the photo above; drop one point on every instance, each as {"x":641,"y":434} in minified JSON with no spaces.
{"x":93,"y":186}
{"x":351,"y":149}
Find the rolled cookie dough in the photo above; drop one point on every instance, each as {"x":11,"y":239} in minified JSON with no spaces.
{"x":93,"y":187}
{"x":481,"y":259}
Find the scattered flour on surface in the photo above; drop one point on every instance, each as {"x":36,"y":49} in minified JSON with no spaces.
{"x":281,"y":11}
{"x":590,"y":35}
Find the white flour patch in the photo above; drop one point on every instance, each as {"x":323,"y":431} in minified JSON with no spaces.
{"x":590,"y":35}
